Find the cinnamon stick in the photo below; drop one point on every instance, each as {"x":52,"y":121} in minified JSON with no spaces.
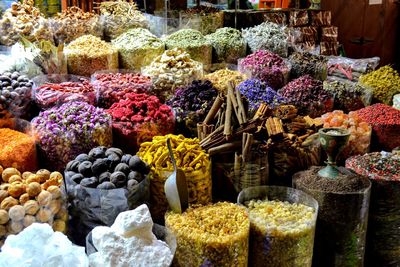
{"x":235,"y":105}
{"x":214,"y":109}
{"x":223,"y":148}
{"x":242,"y":111}
{"x":228,"y":118}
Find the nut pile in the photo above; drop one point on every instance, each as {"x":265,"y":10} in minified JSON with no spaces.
{"x":31,"y":197}
{"x":137,"y":48}
{"x":66,"y":131}
{"x":73,"y":22}
{"x":120,"y":16}
{"x":228,"y":45}
{"x":190,"y":158}
{"x":89,"y":54}
{"x":112,"y":87}
{"x":173,"y":69}
{"x":107,"y":168}
{"x":23,"y":19}
{"x":212,"y":235}
{"x":282,"y":233}
{"x":267,"y":36}
{"x":385,"y":83}
{"x":193,"y":42}
{"x":15,"y":94}
{"x":220,"y":78}
{"x":139,"y":117}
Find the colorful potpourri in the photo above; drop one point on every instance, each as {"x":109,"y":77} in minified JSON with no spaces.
{"x":258,"y":92}
{"x":139,"y":117}
{"x":191,"y":105}
{"x":51,"y":94}
{"x":265,"y":66}
{"x":360,"y":131}
{"x":73,"y":128}
{"x":308,"y":96}
{"x":385,"y":122}
{"x":111,"y":87}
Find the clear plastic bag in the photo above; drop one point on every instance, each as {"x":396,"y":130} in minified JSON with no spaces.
{"x":114,"y":26}
{"x":91,"y":207}
{"x":275,"y":17}
{"x":17,"y":59}
{"x":277,"y":246}
{"x":55,"y":90}
{"x":349,"y":68}
{"x":321,"y":17}
{"x":162,"y":26}
{"x":205,"y":23}
{"x":307,"y":63}
{"x":298,"y":18}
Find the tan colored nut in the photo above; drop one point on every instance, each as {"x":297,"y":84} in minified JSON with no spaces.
{"x":4,"y":217}
{"x":44,"y":198}
{"x":4,"y":186}
{"x":62,"y":215}
{"x":31,"y":207}
{"x":59,"y":226}
{"x":8,"y":202}
{"x":43,"y":174}
{"x":28,"y":220}
{"x":25,"y":175}
{"x":3,"y":230}
{"x":33,"y":178}
{"x":33,"y":189}
{"x":16,"y":189}
{"x":7,"y":173}
{"x":55,"y":206}
{"x":55,"y":191}
{"x":3,"y":195}
{"x":24,"y":198}
{"x":43,"y":215}
{"x":15,"y":178}
{"x":16,"y":213}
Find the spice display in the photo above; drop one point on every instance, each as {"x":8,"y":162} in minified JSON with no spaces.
{"x":330,"y":34}
{"x":349,"y":96}
{"x":342,"y":216}
{"x":23,"y":19}
{"x":385,"y":122}
{"x":384,"y":82}
{"x":55,"y":90}
{"x":321,"y":17}
{"x":138,"y":48}
{"x":193,"y":42}
{"x":210,"y":18}
{"x":309,"y":34}
{"x":396,"y":101}
{"x":130,"y":241}
{"x":191,"y":105}
{"x":190,"y":158}
{"x":173,"y":69}
{"x":258,"y":92}
{"x":104,"y":175}
{"x":112,"y":86}
{"x":139,"y":117}
{"x":351,"y":69}
{"x":267,"y":36}
{"x":15,"y":95}
{"x":307,"y":63}
{"x":89,"y":54}
{"x":308,"y":95}
{"x":73,"y":22}
{"x":228,"y":45}
{"x":120,"y":16}
{"x":73,"y":128}
{"x":220,"y":78}
{"x":204,"y":239}
{"x":267,"y":67}
{"x":298,"y":17}
{"x":39,"y":244}
{"x":275,"y":17}
{"x":31,"y":197}
{"x":360,"y":132}
{"x":281,"y":226}
{"x":17,"y":149}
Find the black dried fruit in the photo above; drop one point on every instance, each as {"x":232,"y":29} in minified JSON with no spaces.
{"x":104,"y":177}
{"x":118,"y":178}
{"x":113,"y":161}
{"x":136,"y":164}
{"x":125,"y":158}
{"x":106,"y":185}
{"x":97,"y":152}
{"x":132,"y":183}
{"x":77,"y":178}
{"x":136,"y":176}
{"x":89,"y":182}
{"x":72,"y":166}
{"x":85,"y":168}
{"x":99,"y":166}
{"x":122,"y":167}
{"x":82,"y":157}
{"x":114,"y":150}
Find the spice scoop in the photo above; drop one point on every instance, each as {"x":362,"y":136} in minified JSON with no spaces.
{"x":175,"y":186}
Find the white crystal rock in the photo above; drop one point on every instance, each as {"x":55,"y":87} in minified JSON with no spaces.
{"x":129,"y":242}
{"x":39,"y":246}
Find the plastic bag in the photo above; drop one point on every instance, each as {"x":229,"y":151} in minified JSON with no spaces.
{"x":298,"y":17}
{"x":161,"y":26}
{"x":349,"y":68}
{"x":205,"y":23}
{"x":321,"y":17}
{"x":114,"y":26}
{"x":55,"y":90}
{"x":307,"y":63}
{"x":91,"y":207}
{"x":330,"y":34}
{"x":276,"y":17}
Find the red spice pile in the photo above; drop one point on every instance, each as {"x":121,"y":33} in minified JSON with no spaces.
{"x":385,"y":122}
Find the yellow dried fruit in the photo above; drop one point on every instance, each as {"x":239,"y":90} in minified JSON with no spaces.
{"x":28,"y":220}
{"x":33,"y":189}
{"x":8,"y":202}
{"x":3,"y":194}
{"x":55,"y":206}
{"x":25,"y":175}
{"x":7,"y":173}
{"x":4,"y":217}
{"x":16,"y":213}
{"x":56,"y":176}
{"x":43,"y":174}
{"x":44,"y":198}
{"x":24,"y":198}
{"x":43,"y":215}
{"x":59,"y":226}
{"x":15,"y":178}
{"x":33,"y":178}
{"x":31,"y":207}
{"x":16,"y":189}
{"x":55,"y":191}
